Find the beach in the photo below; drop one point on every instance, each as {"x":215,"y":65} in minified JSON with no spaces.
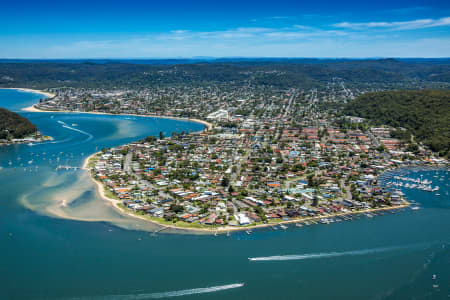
{"x":33,"y":108}
{"x":99,"y":186}
{"x":60,"y":218}
{"x":47,"y":94}
{"x":224,"y":229}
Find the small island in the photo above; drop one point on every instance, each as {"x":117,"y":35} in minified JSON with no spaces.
{"x":16,"y":129}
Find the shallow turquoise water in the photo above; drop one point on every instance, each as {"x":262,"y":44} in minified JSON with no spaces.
{"x":44,"y":257}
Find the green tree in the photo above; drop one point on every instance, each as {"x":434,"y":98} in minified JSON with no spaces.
{"x":225,"y":181}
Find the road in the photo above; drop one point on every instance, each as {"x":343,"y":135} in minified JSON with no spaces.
{"x":126,"y":164}
{"x":377,"y":144}
{"x":347,"y":190}
{"x":289,"y":105}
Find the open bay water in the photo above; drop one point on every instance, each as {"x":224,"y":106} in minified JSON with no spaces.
{"x":110,"y":256}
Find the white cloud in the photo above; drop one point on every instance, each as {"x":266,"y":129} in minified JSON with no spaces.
{"x":300,"y":47}
{"x":303,"y":27}
{"x":315,"y":33}
{"x":260,"y":34}
{"x":340,"y":40}
{"x":236,"y":33}
{"x":179,"y":31}
{"x":405,"y":25}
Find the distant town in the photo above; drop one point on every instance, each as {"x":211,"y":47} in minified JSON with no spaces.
{"x":266,"y":157}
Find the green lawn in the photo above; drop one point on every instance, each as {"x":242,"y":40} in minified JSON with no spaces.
{"x":110,"y":194}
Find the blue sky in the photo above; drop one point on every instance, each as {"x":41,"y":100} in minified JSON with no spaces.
{"x":159,"y":29}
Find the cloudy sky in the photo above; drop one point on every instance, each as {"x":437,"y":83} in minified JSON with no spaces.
{"x":278,"y":28}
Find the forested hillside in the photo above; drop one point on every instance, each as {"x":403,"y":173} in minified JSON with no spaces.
{"x":279,"y":73}
{"x":424,"y":113}
{"x":13,"y":125}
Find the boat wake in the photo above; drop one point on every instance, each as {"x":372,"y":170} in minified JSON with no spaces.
{"x":61,"y":141}
{"x":167,"y":294}
{"x":196,"y":291}
{"x":328,"y":254}
{"x":64,"y":125}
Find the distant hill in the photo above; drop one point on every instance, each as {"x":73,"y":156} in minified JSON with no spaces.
{"x":13,"y":125}
{"x":425,"y":113}
{"x":280,"y":73}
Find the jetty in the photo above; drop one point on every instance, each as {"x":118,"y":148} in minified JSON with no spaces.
{"x":61,"y":167}
{"x":159,"y":230}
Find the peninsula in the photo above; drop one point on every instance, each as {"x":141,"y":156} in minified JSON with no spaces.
{"x":287,"y":162}
{"x":16,"y":129}
{"x":287,"y":142}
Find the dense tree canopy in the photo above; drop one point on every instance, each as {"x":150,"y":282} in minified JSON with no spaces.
{"x":425,"y":114}
{"x":13,"y":125}
{"x":284,"y":73}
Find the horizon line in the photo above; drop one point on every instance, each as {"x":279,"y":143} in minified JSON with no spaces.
{"x":229,"y":57}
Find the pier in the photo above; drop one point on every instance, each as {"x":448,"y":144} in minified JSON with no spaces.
{"x":61,"y":167}
{"x":159,"y":230}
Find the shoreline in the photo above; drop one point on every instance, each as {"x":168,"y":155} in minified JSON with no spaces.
{"x":33,"y":142}
{"x":33,"y":108}
{"x":100,"y":187}
{"x":47,"y":94}
{"x":224,"y":229}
